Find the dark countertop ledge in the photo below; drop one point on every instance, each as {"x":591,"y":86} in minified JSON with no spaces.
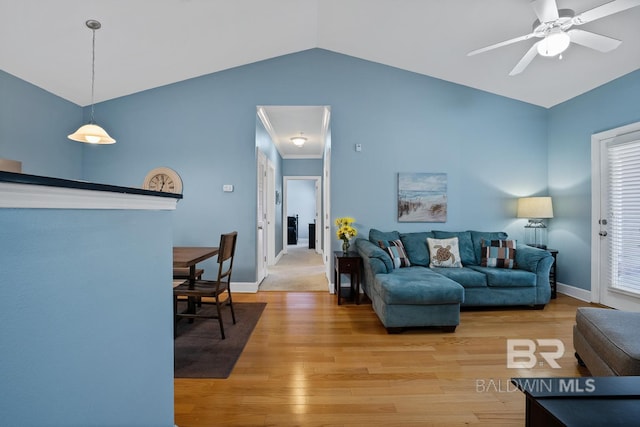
{"x":20,"y":178}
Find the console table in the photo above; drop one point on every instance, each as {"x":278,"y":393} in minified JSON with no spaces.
{"x":584,"y":402}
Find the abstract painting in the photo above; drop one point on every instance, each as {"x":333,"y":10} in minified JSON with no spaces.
{"x":422,"y":197}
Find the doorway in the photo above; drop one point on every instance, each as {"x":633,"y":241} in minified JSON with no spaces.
{"x":277,"y":131}
{"x":616,"y":218}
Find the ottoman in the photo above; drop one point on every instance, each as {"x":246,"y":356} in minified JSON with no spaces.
{"x":607,"y":341}
{"x":416,"y":297}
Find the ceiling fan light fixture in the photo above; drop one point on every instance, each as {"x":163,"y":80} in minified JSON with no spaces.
{"x":554,"y":43}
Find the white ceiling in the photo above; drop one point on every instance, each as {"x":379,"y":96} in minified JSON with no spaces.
{"x":149,"y":43}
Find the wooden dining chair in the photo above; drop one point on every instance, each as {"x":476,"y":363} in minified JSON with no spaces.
{"x":211,"y":288}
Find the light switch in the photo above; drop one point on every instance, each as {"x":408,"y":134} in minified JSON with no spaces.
{"x":227,"y":188}
{"x":358,"y":147}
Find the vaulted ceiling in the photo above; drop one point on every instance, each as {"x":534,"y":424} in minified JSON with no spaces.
{"x":149,"y":43}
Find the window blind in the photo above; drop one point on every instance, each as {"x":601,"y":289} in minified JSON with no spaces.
{"x":624,"y":213}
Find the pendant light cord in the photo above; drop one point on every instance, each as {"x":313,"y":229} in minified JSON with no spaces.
{"x":93,"y":72}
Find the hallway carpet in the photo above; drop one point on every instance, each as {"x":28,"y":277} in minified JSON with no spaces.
{"x":299,"y":270}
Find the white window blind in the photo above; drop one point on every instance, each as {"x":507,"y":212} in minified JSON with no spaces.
{"x":624,"y":213}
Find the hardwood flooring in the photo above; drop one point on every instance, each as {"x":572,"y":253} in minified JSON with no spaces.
{"x":311,"y":362}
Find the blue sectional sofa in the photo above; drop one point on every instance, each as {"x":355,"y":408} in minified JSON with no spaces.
{"x":417,"y":295}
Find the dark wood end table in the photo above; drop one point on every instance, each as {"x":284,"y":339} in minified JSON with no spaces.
{"x":347,"y":263}
{"x":553,"y":273}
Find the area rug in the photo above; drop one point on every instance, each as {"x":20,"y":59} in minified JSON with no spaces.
{"x":200,"y":352}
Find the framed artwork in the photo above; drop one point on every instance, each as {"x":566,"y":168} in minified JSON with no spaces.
{"x":422,"y":197}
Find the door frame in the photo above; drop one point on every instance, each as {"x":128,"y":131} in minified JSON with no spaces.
{"x":598,"y":289}
{"x":261,"y":200}
{"x":318,"y":209}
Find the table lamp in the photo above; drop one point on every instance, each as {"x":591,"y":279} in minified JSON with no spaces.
{"x":535,"y":209}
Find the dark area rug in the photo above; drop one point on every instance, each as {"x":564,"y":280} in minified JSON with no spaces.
{"x":201,"y":353}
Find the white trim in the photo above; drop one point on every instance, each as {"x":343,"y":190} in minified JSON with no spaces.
{"x":244,"y":287}
{"x":30,"y":196}
{"x":574,"y":292}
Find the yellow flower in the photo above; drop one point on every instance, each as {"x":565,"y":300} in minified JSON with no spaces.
{"x":345,"y":230}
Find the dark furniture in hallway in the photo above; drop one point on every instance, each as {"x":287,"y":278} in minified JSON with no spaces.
{"x":292,"y":230}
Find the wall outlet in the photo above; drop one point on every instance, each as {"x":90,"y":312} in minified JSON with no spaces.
{"x":358,"y":147}
{"x":227,"y":188}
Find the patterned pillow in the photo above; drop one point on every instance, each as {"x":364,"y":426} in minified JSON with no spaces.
{"x":498,"y":253}
{"x":444,"y":252}
{"x":396,"y":251}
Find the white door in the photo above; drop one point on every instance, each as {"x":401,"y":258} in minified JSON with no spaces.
{"x":270,"y":241}
{"x":616,"y":217}
{"x":261,"y":253}
{"x":326,"y":220}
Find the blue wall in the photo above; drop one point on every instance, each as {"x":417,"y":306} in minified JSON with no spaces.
{"x":302,"y":167}
{"x":571,"y":125}
{"x":34,"y":125}
{"x":492,"y":148}
{"x":85,"y":309}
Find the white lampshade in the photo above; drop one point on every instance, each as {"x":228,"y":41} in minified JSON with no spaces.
{"x":535,"y":207}
{"x":554,"y":43}
{"x":92,"y":134}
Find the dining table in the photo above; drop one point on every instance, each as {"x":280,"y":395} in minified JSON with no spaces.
{"x":188,"y":257}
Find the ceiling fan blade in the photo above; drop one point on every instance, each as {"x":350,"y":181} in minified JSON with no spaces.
{"x":593,"y":40}
{"x":497,"y":45}
{"x":604,"y":10}
{"x":546,"y":10}
{"x":526,"y":60}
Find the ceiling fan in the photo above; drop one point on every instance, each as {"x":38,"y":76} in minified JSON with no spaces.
{"x":554,"y":28}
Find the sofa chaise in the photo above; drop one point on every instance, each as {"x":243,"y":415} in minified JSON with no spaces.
{"x":412,"y":286}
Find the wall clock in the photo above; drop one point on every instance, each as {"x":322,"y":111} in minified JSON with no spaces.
{"x":163,"y":179}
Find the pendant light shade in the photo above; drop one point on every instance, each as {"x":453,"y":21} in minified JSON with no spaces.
{"x":91,"y":133}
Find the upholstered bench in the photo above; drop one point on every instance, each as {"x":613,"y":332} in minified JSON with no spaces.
{"x":607,"y":341}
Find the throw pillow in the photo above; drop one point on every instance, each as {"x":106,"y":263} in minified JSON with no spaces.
{"x":444,"y":252}
{"x":498,"y":253}
{"x":396,"y":251}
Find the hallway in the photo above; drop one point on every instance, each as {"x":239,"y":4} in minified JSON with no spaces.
{"x":300,"y":269}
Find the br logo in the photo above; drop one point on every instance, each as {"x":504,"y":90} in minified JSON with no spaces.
{"x":521,"y":353}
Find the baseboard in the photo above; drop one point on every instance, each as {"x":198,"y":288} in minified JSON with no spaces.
{"x":244,"y":287}
{"x":572,"y":291}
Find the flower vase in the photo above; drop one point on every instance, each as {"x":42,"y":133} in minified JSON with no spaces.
{"x":345,"y":246}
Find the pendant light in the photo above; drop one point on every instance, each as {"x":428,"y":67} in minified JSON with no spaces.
{"x":91,"y":133}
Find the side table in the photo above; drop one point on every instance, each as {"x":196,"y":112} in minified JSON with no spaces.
{"x":347,"y":263}
{"x":553,"y":281}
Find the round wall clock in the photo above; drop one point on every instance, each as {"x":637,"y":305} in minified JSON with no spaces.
{"x":163,"y":179}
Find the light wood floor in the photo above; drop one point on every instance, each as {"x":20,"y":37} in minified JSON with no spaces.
{"x":311,"y":362}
